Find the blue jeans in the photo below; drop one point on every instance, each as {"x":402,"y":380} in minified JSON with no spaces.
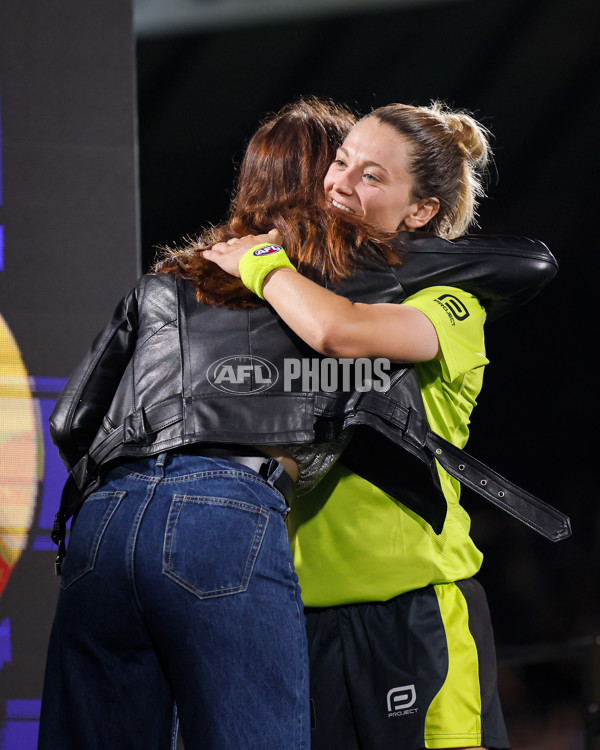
{"x":178,"y":589}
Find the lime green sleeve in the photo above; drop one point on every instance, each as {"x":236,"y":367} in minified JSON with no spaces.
{"x":458,"y":319}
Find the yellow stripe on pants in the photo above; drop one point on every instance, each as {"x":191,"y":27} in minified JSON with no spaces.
{"x":454,"y":716}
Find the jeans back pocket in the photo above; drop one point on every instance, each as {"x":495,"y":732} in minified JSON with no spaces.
{"x":211,"y":544}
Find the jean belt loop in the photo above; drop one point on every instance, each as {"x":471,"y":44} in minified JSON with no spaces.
{"x":271,"y":470}
{"x":161,"y":459}
{"x":275,"y":475}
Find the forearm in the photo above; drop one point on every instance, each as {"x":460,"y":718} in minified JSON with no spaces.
{"x":337,"y":327}
{"x":320,"y":317}
{"x":330,"y":324}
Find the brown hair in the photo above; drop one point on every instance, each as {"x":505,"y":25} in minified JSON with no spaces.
{"x":280,"y":184}
{"x":449,"y":159}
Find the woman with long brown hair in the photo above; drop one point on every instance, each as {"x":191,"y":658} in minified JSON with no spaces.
{"x":177,"y":587}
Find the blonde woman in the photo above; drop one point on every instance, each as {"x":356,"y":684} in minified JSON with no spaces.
{"x":400,"y":641}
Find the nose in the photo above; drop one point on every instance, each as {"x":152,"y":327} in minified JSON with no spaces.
{"x":342,"y":182}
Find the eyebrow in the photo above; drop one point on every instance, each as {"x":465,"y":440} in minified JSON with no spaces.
{"x":366,"y":163}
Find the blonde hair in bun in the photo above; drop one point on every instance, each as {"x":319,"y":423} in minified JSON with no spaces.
{"x":450,"y":154}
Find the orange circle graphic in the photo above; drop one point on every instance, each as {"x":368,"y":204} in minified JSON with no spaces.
{"x":20,"y":454}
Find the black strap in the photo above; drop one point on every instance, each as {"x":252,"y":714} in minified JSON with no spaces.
{"x":522,"y":505}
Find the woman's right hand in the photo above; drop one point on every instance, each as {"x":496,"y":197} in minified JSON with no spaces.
{"x":227,"y":255}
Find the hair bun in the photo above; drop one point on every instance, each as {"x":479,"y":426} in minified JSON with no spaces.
{"x":471,"y":136}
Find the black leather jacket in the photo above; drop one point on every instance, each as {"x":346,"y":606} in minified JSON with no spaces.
{"x":148,"y":383}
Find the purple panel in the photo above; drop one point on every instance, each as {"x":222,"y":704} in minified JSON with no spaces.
{"x":19,"y":735}
{"x":20,"y":732}
{"x":23,"y":709}
{"x":5,"y":644}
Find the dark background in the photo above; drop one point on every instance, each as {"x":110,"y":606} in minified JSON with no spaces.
{"x":530,"y":71}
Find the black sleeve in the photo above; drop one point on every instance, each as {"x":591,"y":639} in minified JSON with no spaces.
{"x":502,"y":271}
{"x":87,"y":396}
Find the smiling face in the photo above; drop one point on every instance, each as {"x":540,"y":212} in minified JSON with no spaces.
{"x":370,"y":178}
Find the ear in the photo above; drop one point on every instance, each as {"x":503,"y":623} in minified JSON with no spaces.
{"x":422,"y":211}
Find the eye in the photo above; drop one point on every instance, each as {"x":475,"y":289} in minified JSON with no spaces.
{"x":340,"y":163}
{"x":369,"y":177}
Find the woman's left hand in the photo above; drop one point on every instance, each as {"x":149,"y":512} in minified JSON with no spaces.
{"x":227,"y":255}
